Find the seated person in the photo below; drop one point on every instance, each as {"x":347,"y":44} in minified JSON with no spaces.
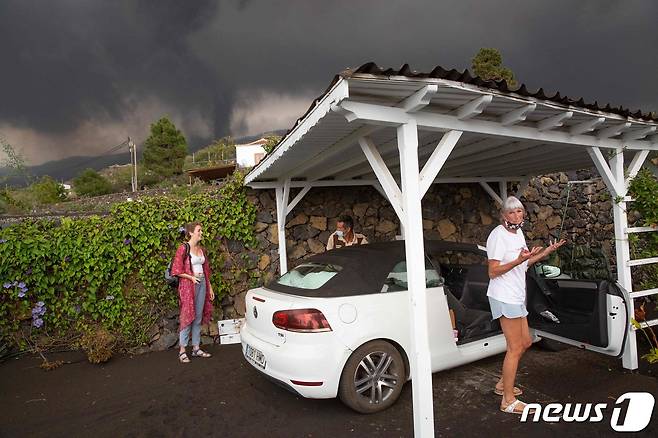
{"x":345,"y":235}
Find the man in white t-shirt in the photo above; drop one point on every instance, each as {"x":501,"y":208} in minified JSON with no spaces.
{"x":509,"y":259}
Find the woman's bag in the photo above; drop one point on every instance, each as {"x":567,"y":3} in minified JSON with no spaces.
{"x":172,"y":280}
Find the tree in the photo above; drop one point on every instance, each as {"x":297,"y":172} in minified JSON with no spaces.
{"x":488,"y":64}
{"x":47,"y":191}
{"x":91,"y":183}
{"x":272,"y":141}
{"x":165,"y":149}
{"x":15,"y":162}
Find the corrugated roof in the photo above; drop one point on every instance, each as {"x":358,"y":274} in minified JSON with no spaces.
{"x":465,"y":77}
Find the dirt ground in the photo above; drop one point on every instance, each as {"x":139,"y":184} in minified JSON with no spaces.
{"x":152,"y":395}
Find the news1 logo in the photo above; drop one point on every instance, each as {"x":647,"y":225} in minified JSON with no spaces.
{"x":630,"y":413}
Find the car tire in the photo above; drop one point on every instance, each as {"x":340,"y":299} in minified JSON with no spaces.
{"x":372,"y":378}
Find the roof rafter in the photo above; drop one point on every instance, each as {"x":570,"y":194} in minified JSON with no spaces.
{"x":518,"y":115}
{"x":473,"y":108}
{"x":554,"y":122}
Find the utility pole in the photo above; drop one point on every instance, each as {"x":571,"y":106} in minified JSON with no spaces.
{"x":133,"y":161}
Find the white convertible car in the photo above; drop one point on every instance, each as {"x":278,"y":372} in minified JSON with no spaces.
{"x":338,"y":324}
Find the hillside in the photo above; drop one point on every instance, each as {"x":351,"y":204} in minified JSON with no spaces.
{"x":67,"y":168}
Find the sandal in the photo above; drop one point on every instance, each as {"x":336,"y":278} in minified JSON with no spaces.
{"x":517,"y":391}
{"x":200,"y":353}
{"x":183,"y":358}
{"x":516,"y":407}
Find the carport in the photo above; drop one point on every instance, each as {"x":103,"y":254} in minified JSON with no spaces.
{"x":401,"y":131}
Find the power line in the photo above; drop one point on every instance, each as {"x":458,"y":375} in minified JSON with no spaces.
{"x":103,"y":155}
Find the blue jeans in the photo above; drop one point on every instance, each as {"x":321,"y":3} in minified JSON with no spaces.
{"x":195,"y":327}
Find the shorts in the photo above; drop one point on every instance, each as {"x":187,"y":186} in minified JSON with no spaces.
{"x":508,"y":310}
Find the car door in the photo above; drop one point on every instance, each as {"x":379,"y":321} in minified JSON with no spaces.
{"x":590,"y":314}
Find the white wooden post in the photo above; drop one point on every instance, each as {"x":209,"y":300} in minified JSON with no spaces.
{"x":282,"y":194}
{"x":421,"y":370}
{"x":622,"y":253}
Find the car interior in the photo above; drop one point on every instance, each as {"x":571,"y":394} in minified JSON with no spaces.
{"x":575,"y":309}
{"x":466,"y":282}
{"x":557,"y":304}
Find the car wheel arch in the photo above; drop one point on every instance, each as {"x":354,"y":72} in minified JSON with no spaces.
{"x":401,"y":350}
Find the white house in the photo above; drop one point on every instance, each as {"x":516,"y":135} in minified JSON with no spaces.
{"x":250,"y":154}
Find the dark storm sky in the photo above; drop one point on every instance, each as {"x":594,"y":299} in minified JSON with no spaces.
{"x":77,"y":76}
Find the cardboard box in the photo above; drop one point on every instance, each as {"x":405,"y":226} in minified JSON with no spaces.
{"x":230,"y":326}
{"x":230,"y":339}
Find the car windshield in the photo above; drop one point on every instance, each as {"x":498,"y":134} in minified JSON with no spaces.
{"x":309,"y":275}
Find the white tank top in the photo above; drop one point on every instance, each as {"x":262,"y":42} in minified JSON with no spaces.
{"x":197,"y":263}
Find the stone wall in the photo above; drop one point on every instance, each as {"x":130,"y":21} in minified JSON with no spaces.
{"x":455,"y":212}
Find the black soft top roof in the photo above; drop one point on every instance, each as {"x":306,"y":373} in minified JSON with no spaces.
{"x":364,"y":267}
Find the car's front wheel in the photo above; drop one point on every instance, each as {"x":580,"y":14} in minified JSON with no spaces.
{"x":373,"y":377}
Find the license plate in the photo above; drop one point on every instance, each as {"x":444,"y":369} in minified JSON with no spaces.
{"x":255,"y":356}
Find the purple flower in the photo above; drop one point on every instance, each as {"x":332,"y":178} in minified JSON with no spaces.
{"x":21,"y":285}
{"x":28,"y":272}
{"x":127,"y":241}
{"x":3,"y":240}
{"x":7,"y":285}
{"x":67,"y":258}
{"x":15,"y":283}
{"x":37,"y":322}
{"x":109,"y":298}
{"x":181,"y":229}
{"x":40,"y":304}
{"x":21,"y":293}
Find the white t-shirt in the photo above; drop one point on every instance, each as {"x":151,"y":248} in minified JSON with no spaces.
{"x":505,"y":247}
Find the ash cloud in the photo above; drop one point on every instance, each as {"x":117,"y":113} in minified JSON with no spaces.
{"x":75,"y":74}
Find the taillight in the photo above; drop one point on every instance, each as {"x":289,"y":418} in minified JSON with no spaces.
{"x":301,"y":320}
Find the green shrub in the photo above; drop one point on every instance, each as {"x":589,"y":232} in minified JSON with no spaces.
{"x":91,"y":183}
{"x":108,"y":271}
{"x":47,"y":191}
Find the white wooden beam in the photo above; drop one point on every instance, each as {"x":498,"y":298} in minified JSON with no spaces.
{"x":473,"y":108}
{"x":419,"y":99}
{"x":502,"y":186}
{"x":374,"y":114}
{"x":384,"y":176}
{"x":438,"y":158}
{"x":641,"y":133}
{"x":442,"y":122}
{"x":613,"y":131}
{"x":487,"y":188}
{"x":518,"y":115}
{"x":323,"y":183}
{"x":554,"y":122}
{"x":282,"y":192}
{"x":297,"y":198}
{"x":605,"y":171}
{"x":586,"y":126}
{"x":635,"y":165}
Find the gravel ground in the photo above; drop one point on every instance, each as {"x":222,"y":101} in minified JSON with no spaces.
{"x":154,"y":395}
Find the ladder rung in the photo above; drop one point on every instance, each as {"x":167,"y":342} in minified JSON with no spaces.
{"x":639,"y":262}
{"x":645,"y":324}
{"x":644,"y":293}
{"x":640,"y":229}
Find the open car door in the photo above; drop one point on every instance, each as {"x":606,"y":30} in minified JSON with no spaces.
{"x":590,"y":314}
